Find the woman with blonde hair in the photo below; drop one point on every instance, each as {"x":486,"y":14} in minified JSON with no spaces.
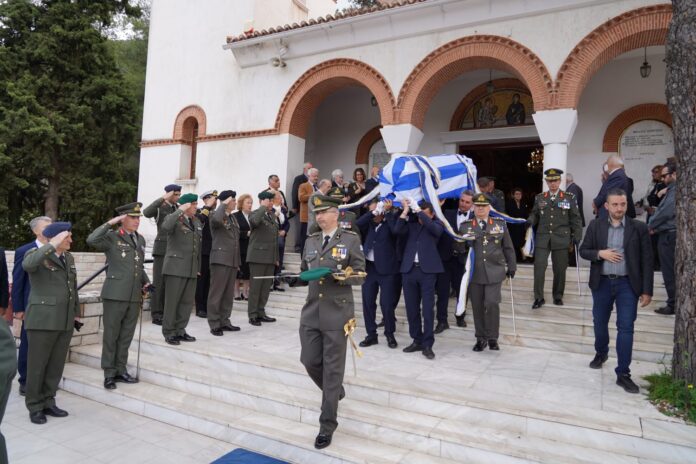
{"x":244,"y":206}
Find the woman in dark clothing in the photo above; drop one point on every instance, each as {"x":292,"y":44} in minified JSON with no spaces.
{"x":516,"y":207}
{"x":281,"y":214}
{"x":244,"y":205}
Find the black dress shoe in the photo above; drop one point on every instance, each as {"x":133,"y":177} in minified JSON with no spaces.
{"x":558,"y":302}
{"x":381,"y":323}
{"x":22,"y":390}
{"x":391,"y":341}
{"x":37,"y":417}
{"x":322,"y":441}
{"x":441,"y":327}
{"x":369,"y":341}
{"x":202,"y":314}
{"x":278,"y":289}
{"x":665,"y":311}
{"x":238,"y":298}
{"x":109,"y":383}
{"x":157,"y":321}
{"x":428,"y":352}
{"x":480,"y":345}
{"x":267,"y":319}
{"x":460,"y":321}
{"x":173,"y":340}
{"x":255,"y":321}
{"x":624,"y":381}
{"x":55,"y":411}
{"x":230,"y":328}
{"x":125,"y":378}
{"x":217,"y":332}
{"x":538,"y":303}
{"x":413,"y":347}
{"x":186,"y":338}
{"x":598,"y":360}
{"x":493,"y":345}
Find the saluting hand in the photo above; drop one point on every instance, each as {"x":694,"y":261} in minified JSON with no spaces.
{"x":58,"y":239}
{"x":185,"y":206}
{"x":168,"y":196}
{"x":117,"y":220}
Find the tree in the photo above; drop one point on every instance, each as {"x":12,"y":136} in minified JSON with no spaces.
{"x":67,"y":117}
{"x":681,"y":100}
{"x":363,"y":3}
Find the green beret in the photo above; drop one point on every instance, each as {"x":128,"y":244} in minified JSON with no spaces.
{"x":188,"y":198}
{"x":324,"y":202}
{"x":481,"y":199}
{"x":131,"y":209}
{"x":315,"y":274}
{"x":266,"y":195}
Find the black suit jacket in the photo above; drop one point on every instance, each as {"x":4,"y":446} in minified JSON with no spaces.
{"x":577,"y":191}
{"x":4,"y":281}
{"x":617,"y":179}
{"x":637,"y":253}
{"x":299,"y":180}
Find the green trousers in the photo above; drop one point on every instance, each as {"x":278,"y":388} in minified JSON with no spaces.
{"x":485,"y":299}
{"x":157,"y":298}
{"x":48,"y":350}
{"x":221,"y":295}
{"x":8,"y":369}
{"x":259,"y":288}
{"x":179,"y":296}
{"x":559,"y":264}
{"x":120,"y":319}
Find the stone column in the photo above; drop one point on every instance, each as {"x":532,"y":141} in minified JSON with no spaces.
{"x":401,"y":139}
{"x":556,"y":129}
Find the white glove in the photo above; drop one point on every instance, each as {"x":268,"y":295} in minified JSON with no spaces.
{"x":413,"y":204}
{"x":379,"y":209}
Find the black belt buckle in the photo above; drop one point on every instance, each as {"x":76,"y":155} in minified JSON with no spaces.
{"x":416,"y":264}
{"x":613,"y":276}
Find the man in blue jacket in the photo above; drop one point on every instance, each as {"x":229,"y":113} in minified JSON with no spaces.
{"x":419,"y":267}
{"x":20,"y":293}
{"x":617,"y":180}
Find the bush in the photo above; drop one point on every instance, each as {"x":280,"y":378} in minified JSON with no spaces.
{"x":672,"y":397}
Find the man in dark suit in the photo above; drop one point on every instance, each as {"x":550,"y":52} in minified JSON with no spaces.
{"x":575,"y":189}
{"x":20,"y":293}
{"x":203,"y":282}
{"x":419,"y":268}
{"x":617,"y":180}
{"x":382,"y":266}
{"x":299,"y":180}
{"x":621,"y":273}
{"x":663,"y":224}
{"x":373,"y":181}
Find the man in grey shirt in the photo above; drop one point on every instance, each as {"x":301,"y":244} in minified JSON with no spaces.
{"x":663,"y":224}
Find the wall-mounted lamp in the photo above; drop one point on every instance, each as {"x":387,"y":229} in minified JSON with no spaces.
{"x":645,"y":68}
{"x":278,"y":61}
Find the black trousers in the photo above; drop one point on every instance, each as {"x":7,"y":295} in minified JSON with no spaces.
{"x":203,"y":285}
{"x":666,"y":242}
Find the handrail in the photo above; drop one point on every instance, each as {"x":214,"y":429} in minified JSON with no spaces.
{"x":96,"y":274}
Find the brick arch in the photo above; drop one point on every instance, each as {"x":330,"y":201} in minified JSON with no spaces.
{"x":464,"y":55}
{"x":480,"y":91}
{"x":184,"y":120}
{"x":646,"y":111}
{"x":638,"y":28}
{"x":362,"y":155}
{"x":320,"y":81}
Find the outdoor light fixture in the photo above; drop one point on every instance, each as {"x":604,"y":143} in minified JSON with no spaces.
{"x":645,"y":68}
{"x":278,"y":61}
{"x":490,"y":88}
{"x":536,"y":163}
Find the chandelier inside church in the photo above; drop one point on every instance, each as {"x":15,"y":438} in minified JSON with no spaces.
{"x":536,"y":161}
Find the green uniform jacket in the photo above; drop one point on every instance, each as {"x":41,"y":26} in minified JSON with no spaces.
{"x":126,"y":275}
{"x":263,"y":241}
{"x":558,"y":222}
{"x":347,"y":220}
{"x":53,"y":300}
{"x":183,"y":256}
{"x":8,"y":352}
{"x":159,"y":209}
{"x":493,"y":250}
{"x":225,"y":230}
{"x":330,"y":302}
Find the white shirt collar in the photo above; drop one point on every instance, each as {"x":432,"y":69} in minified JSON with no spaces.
{"x":329,"y":234}
{"x":38,"y":243}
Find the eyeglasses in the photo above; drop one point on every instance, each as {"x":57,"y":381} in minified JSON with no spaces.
{"x":664,"y":175}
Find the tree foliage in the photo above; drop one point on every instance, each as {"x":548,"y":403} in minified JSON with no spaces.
{"x":68,"y":116}
{"x":363,"y":3}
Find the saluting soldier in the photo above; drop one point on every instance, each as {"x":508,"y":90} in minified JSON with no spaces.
{"x":203,"y":284}
{"x":262,"y":256}
{"x":558,"y":227}
{"x":122,"y":291}
{"x":8,"y":370}
{"x":493,"y":251}
{"x":224,"y":263}
{"x":329,"y":307}
{"x":182,"y":263}
{"x":159,"y":210}
{"x":50,"y":319}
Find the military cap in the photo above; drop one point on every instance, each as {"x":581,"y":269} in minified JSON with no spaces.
{"x":481,"y":199}
{"x":336,"y":192}
{"x":131,"y":209}
{"x":188,"y":198}
{"x":172,"y":188}
{"x":324,"y":202}
{"x":56,"y":228}
{"x":209,"y":193}
{"x":266,"y":195}
{"x":552,"y":174}
{"x":225,"y":194}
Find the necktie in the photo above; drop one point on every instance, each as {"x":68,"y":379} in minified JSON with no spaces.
{"x":482,"y":224}
{"x":326,"y":241}
{"x":461,"y":213}
{"x":62,"y":259}
{"x":133,"y":239}
{"x":314,"y":186}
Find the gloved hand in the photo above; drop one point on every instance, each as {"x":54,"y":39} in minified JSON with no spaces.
{"x":510,"y":274}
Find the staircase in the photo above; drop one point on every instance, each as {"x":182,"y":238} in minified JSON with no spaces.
{"x":534,"y":401}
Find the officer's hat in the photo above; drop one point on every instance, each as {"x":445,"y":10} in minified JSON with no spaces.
{"x":225,"y":194}
{"x":481,"y":200}
{"x":266,"y":195}
{"x":172,"y":188}
{"x":56,"y":228}
{"x":188,"y":198}
{"x":208,"y":194}
{"x":336,"y":192}
{"x":131,"y":209}
{"x":324,"y":202}
{"x":553,"y":174}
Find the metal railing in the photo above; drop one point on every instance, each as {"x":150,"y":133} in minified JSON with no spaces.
{"x":96,"y":274}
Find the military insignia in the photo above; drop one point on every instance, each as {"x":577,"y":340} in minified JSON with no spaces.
{"x":542,"y":204}
{"x":344,"y":225}
{"x":485,"y":241}
{"x":136,"y":208}
{"x":339,"y":252}
{"x":317,"y":201}
{"x":123,"y":254}
{"x":497,"y":229}
{"x":564,"y":204}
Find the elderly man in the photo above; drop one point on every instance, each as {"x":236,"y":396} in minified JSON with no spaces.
{"x":663,"y":223}
{"x":572,"y":187}
{"x":299,"y":180}
{"x":51,"y":316}
{"x":262,"y":256}
{"x":122,"y":291}
{"x":20,"y":292}
{"x":322,"y":189}
{"x":617,"y":179}
{"x":304,"y":192}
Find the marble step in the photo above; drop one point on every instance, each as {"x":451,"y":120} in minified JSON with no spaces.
{"x":501,"y":433}
{"x":289,"y":440}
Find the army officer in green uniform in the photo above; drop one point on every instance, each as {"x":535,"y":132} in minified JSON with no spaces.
{"x":493,"y":252}
{"x":558,"y":226}
{"x":122,"y":291}
{"x":159,"y":210}
{"x":262,"y":256}
{"x":181,"y":268}
{"x":8,"y":370}
{"x":50,"y":319}
{"x":329,"y":307}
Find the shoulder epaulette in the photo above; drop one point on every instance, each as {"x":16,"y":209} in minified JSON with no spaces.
{"x":315,"y":234}
{"x":348,"y":232}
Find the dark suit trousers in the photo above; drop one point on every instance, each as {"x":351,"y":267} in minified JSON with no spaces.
{"x":419,"y":287}
{"x":120,"y":319}
{"x":485,"y":299}
{"x":259,"y":289}
{"x":157,"y":299}
{"x":49,"y":348}
{"x":203,"y":285}
{"x":324,"y":356}
{"x":221,"y":295}
{"x":559,"y":260}
{"x":666,"y":242}
{"x":451,"y":278}
{"x":22,"y":355}
{"x":181,"y":292}
{"x":385,"y":285}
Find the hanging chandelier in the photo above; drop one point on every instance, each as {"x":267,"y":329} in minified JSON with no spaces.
{"x":536,"y":161}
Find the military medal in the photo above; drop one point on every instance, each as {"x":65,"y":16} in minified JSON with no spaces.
{"x":123,"y":254}
{"x":485,"y":240}
{"x":137,"y":258}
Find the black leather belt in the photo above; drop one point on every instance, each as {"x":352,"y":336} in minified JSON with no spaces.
{"x":613,"y":276}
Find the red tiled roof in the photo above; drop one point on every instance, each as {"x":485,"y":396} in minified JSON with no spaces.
{"x":348,"y":13}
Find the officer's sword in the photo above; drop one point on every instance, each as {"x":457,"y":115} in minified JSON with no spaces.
{"x":140,"y":337}
{"x":512,"y":299}
{"x":577,"y":267}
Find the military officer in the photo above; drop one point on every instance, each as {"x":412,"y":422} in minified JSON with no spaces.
{"x":262,"y":256}
{"x":347,"y":220}
{"x":224,"y":263}
{"x":159,"y":209}
{"x":329,"y":307}
{"x":122,"y":291}
{"x":558,"y":226}
{"x":50,"y":319}
{"x":493,"y":250}
{"x":8,"y":369}
{"x":210,"y":199}
{"x":182,"y":264}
